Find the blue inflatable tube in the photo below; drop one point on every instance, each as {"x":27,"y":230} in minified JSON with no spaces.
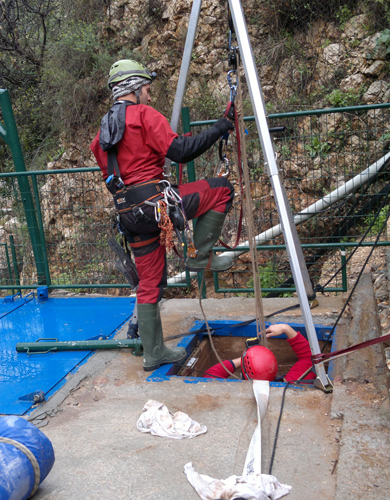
{"x":26,"y":458}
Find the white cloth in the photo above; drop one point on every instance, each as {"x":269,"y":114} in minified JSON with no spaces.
{"x":253,"y":487}
{"x":157,"y":420}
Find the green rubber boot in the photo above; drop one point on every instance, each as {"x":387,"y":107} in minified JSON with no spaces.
{"x":156,"y":353}
{"x":207,"y":231}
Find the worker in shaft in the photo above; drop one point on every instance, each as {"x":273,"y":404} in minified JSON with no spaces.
{"x":259,"y":363}
{"x":130,"y":148}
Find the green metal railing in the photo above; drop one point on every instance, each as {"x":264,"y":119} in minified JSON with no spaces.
{"x":56,"y":223}
{"x":319,"y":151}
{"x":9,"y":133}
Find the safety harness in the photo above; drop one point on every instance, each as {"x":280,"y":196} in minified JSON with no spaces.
{"x":168,"y":206}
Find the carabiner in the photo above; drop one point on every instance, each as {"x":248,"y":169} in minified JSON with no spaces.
{"x":225,"y":138}
{"x":222,"y":158}
{"x":225,"y":162}
{"x":157,"y":212}
{"x":233,"y":88}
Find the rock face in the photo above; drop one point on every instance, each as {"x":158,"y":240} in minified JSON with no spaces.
{"x":315,"y":62}
{"x":293,"y":70}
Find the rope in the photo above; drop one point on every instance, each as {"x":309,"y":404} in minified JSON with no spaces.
{"x":166,"y":226}
{"x":319,"y":358}
{"x":277,"y":430}
{"x":246,"y":201}
{"x":29,"y":454}
{"x":288,"y":384}
{"x":209,"y":332}
{"x":362,"y":269}
{"x":239,"y":175}
{"x":384,"y":201}
{"x":20,"y":305}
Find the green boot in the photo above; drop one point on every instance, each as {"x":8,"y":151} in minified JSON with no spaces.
{"x":156,"y":353}
{"x":207,"y":231}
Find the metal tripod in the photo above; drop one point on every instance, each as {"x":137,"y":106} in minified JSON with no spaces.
{"x":294,"y":250}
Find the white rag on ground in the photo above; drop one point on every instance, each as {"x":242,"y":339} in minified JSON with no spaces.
{"x":157,"y":420}
{"x":253,"y":487}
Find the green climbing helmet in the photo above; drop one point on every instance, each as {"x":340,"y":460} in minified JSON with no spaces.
{"x":121,"y":70}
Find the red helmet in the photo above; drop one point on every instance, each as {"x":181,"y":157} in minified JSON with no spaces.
{"x":259,"y":363}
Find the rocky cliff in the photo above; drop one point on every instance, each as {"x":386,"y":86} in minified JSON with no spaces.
{"x":325,"y":64}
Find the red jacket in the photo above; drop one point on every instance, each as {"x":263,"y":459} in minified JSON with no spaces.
{"x":142,"y":149}
{"x":300,"y":346}
{"x":217,"y":371}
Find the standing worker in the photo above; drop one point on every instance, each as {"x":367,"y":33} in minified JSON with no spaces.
{"x":130,"y":148}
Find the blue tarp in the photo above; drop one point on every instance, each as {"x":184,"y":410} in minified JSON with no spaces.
{"x":78,"y":318}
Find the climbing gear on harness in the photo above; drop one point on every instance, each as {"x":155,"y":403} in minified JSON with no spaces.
{"x":128,"y":198}
{"x":156,"y":353}
{"x":125,"y":68}
{"x":170,"y":216}
{"x":259,"y":363}
{"x":165,"y":224}
{"x":207,"y":231}
{"x":156,"y":193}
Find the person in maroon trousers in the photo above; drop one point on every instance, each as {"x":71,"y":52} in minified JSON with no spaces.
{"x":130,"y":148}
{"x":296,"y":340}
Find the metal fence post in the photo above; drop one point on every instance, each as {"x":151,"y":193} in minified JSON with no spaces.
{"x":10,"y":135}
{"x":14,"y":260}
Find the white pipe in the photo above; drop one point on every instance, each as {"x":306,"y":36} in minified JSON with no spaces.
{"x":180,"y":278}
{"x":308,"y":212}
{"x":319,"y":205}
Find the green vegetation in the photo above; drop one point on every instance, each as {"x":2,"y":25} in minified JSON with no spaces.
{"x":269,"y":278}
{"x":52,"y":62}
{"x":317,"y":148}
{"x":285,"y":151}
{"x":340,"y":99}
{"x":377,"y":225}
{"x":343,"y":15}
{"x":385,"y":137}
{"x":385,"y":39}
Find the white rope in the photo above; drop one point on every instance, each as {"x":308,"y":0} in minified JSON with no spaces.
{"x":29,"y":454}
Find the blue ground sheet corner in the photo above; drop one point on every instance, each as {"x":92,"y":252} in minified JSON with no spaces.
{"x":64,"y":319}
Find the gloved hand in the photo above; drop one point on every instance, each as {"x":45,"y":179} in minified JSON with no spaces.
{"x":223,"y":125}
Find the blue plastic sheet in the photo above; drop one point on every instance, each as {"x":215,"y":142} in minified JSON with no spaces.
{"x":17,"y":478}
{"x":78,"y":318}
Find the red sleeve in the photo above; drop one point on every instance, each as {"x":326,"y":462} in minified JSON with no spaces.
{"x":217,"y":371}
{"x":100,"y":155}
{"x":301,"y":347}
{"x":157,"y":132}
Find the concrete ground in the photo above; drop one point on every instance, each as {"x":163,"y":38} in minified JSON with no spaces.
{"x":330,"y":446}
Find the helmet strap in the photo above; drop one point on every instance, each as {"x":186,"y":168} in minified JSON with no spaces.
{"x":243,"y":367}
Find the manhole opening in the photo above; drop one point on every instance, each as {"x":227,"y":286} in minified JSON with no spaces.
{"x":229,"y":342}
